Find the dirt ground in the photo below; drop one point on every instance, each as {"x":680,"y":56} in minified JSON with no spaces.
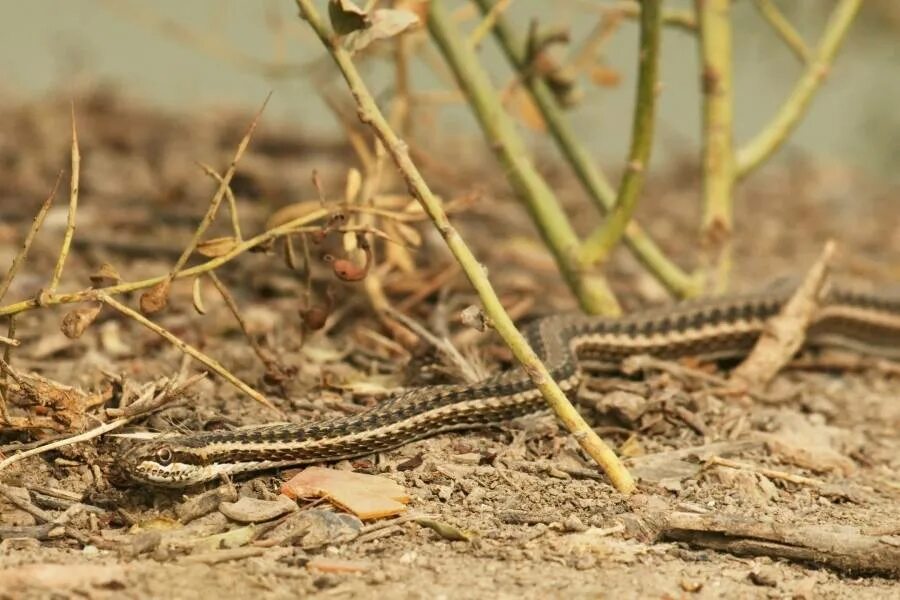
{"x":535,"y":519}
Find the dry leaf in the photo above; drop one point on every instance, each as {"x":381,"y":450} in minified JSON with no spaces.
{"x":105,"y":276}
{"x":76,"y":321}
{"x":346,"y":17}
{"x":216,"y":247}
{"x":156,"y":298}
{"x":605,"y":76}
{"x":366,"y":496}
{"x":383,"y":23}
{"x":197,"y":297}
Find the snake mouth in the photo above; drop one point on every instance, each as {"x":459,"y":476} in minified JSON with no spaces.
{"x":160,"y":464}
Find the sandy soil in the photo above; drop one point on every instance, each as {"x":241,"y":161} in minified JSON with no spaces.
{"x":538,"y":521}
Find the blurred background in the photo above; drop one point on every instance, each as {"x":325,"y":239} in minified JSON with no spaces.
{"x":213,"y":54}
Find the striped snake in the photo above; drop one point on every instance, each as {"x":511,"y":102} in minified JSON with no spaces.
{"x":708,"y":329}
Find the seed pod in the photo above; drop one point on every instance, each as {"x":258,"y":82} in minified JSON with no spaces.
{"x":77,"y":321}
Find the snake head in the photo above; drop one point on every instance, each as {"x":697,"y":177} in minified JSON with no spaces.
{"x":162,"y":463}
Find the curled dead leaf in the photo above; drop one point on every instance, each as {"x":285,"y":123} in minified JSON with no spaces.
{"x":474,"y":317}
{"x":383,"y":23}
{"x":77,"y":321}
{"x":346,"y":17}
{"x":156,"y":298}
{"x":216,"y":247}
{"x":105,"y":276}
{"x":197,"y":296}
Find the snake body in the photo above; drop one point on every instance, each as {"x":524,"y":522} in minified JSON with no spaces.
{"x":710,"y":329}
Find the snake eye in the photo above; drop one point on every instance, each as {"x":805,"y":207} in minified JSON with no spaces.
{"x":164,"y":456}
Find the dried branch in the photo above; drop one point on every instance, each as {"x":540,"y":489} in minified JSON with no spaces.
{"x":785,"y":332}
{"x":232,"y":203}
{"x":292,"y":226}
{"x":371,"y":115}
{"x":156,"y":299}
{"x":210,"y":362}
{"x":20,"y":256}
{"x":73,"y":208}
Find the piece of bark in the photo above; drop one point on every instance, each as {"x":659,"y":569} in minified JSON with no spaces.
{"x":840,"y":547}
{"x":783,"y":334}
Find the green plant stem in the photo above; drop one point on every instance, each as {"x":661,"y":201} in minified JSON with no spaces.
{"x":771,"y":13}
{"x":714,"y":17}
{"x":677,"y":19}
{"x":371,"y":115}
{"x":590,"y":289}
{"x":598,"y":246}
{"x":767,"y":141}
{"x":591,"y":178}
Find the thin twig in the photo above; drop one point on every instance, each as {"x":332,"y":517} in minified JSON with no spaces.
{"x":487,"y":22}
{"x":236,"y":313}
{"x":598,"y":246}
{"x":767,"y":141}
{"x":556,"y":398}
{"x":443,"y":344}
{"x":82,"y":437}
{"x":790,"y":36}
{"x":210,"y":362}
{"x":224,"y":182}
{"x":293,"y":226}
{"x":771,"y":473}
{"x":20,"y":256}
{"x":784,"y":333}
{"x":232,"y":203}
{"x":73,"y":209}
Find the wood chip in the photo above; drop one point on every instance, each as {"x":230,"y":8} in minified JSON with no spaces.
{"x":366,"y":496}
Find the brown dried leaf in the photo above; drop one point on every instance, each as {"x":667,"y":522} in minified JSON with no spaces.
{"x":197,"y":297}
{"x":76,"y":321}
{"x":367,"y":496}
{"x":525,"y":108}
{"x":105,"y":276}
{"x":346,"y":17}
{"x":216,"y":247}
{"x":384,"y":23}
{"x":605,"y":76}
{"x":156,"y":298}
{"x":474,"y":317}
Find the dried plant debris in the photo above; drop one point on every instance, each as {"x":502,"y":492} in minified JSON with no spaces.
{"x":366,"y":496}
{"x":768,"y":477}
